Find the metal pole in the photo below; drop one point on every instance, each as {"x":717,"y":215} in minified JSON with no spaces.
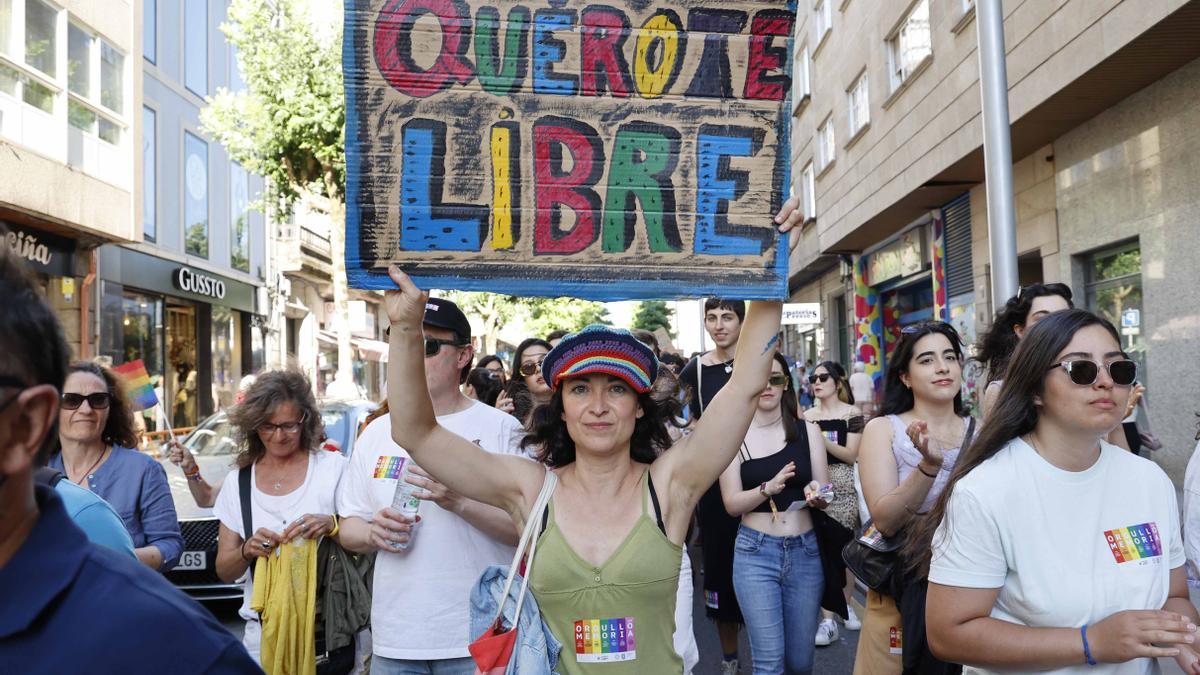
{"x":997,"y":150}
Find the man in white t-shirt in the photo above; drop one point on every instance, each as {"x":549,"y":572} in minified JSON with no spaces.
{"x":419,"y":609}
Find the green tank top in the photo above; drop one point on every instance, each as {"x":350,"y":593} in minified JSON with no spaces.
{"x":618,"y":618}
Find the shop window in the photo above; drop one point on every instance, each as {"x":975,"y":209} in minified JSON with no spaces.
{"x":133,"y":329}
{"x":226,"y":355}
{"x":95,"y":84}
{"x":1114,"y":291}
{"x":910,"y":45}
{"x":195,"y":46}
{"x":195,"y":203}
{"x":150,"y":30}
{"x":149,"y":174}
{"x":239,"y":205}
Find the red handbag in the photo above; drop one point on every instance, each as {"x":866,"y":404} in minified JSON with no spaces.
{"x":493,"y":650}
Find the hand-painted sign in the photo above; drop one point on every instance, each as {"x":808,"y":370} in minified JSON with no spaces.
{"x":622,"y":149}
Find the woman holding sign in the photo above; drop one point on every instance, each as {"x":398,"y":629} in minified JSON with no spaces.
{"x":615,"y":527}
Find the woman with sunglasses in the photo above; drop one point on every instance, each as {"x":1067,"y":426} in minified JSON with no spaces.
{"x":1054,"y":550}
{"x":904,"y":459}
{"x":96,"y":433}
{"x":1021,"y":313}
{"x":777,"y":572}
{"x":292,"y":483}
{"x":527,"y":390}
{"x":841,"y":424}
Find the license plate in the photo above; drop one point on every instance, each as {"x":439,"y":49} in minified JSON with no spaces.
{"x":193,"y":560}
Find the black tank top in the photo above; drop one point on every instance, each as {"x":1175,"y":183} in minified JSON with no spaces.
{"x":759,"y":470}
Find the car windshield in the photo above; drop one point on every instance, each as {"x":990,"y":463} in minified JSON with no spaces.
{"x":214,"y":437}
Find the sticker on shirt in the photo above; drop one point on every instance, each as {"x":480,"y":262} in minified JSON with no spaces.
{"x":389,"y":467}
{"x":895,"y":640}
{"x":1135,"y":545}
{"x":605,"y":640}
{"x":710,"y":600}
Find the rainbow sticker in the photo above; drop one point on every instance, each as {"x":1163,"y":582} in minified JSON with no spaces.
{"x":389,"y":467}
{"x":605,"y":640}
{"x":1136,"y":542}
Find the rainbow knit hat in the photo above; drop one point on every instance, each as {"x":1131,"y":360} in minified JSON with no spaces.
{"x":602,"y":349}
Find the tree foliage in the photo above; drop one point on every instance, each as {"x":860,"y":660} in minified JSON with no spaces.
{"x":652,"y":315}
{"x":569,"y":314}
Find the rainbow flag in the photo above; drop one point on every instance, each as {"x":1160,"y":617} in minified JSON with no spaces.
{"x":141,"y":392}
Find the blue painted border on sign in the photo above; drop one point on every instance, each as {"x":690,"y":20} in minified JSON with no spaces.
{"x":601,"y":290}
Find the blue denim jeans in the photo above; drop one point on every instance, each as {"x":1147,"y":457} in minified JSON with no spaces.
{"x":779,"y":584}
{"x":384,"y":666}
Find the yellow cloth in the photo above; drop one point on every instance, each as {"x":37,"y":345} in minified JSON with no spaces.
{"x":285,"y":596}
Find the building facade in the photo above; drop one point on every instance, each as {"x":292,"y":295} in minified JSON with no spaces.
{"x":70,"y":98}
{"x":888,"y":161}
{"x":184,"y":295}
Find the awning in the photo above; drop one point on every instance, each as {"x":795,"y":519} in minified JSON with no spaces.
{"x":371,"y":350}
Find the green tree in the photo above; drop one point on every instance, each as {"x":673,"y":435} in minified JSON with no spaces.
{"x":492,"y":309}
{"x":287,"y":125}
{"x":569,"y":314}
{"x":652,"y":315}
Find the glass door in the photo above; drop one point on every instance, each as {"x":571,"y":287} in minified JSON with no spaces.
{"x":181,"y":389}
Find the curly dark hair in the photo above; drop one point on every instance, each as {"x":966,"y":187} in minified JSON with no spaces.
{"x":996,"y":346}
{"x":119,"y":429}
{"x":268,"y":392}
{"x":548,"y":433}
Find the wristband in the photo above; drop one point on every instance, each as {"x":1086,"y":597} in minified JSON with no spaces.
{"x":194,"y":476}
{"x":336,"y":526}
{"x":762,"y":490}
{"x":926,"y":473}
{"x":1087,"y":650}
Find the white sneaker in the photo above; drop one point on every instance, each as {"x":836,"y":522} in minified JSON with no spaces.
{"x":729,"y":667}
{"x":827,"y":633}
{"x":852,"y":622}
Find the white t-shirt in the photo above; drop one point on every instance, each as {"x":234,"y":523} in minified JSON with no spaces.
{"x":1191,"y":516}
{"x":317,"y":494}
{"x":1064,"y":548}
{"x":420,"y":609}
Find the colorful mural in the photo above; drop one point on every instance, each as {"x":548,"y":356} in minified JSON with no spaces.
{"x":868,"y":325}
{"x":941,"y":303}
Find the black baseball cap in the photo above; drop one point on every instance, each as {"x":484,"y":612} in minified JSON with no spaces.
{"x":441,"y":313}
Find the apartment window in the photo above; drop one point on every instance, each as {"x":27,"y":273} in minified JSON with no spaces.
{"x":1114,"y":291}
{"x":822,"y":20}
{"x":149,"y":174}
{"x":150,"y":30}
{"x":910,"y":45}
{"x":95,"y":82}
{"x":801,"y":74}
{"x":195,"y":203}
{"x":239,"y":205}
{"x":808,"y":192}
{"x":826,"y":148}
{"x":195,"y":45}
{"x":41,"y":54}
{"x":859,"y":107}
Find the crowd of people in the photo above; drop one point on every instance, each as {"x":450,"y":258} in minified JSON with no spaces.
{"x":1029,"y":536}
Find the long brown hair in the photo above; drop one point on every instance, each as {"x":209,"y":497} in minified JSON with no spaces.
{"x":268,"y":392}
{"x":1012,"y":416}
{"x":119,"y":428}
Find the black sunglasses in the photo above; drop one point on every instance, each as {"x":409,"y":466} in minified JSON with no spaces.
{"x":823,"y":377}
{"x":1085,"y":371}
{"x":98,"y":401}
{"x":530,"y":368}
{"x":1056,"y":288}
{"x":434,"y":345}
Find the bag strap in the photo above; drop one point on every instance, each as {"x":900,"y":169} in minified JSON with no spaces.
{"x":700,"y":384}
{"x":244,"y":481}
{"x":529,"y":537}
{"x":48,"y":476}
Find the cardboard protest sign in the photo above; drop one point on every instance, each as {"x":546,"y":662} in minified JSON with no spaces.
{"x":610,"y":150}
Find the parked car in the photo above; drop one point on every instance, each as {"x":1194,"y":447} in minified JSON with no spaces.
{"x":215,"y":450}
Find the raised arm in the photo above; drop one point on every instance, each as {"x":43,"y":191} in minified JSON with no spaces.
{"x":505,"y":481}
{"x":694,"y":463}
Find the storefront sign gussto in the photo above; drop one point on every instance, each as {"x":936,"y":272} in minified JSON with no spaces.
{"x":186,"y":279}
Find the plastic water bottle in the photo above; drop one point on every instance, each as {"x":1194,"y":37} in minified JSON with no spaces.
{"x":406,"y":502}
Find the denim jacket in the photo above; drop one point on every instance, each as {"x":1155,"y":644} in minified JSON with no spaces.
{"x":536,"y":651}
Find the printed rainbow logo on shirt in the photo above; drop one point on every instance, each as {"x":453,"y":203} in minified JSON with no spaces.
{"x":1136,"y":542}
{"x":605,"y":640}
{"x":389,"y":467}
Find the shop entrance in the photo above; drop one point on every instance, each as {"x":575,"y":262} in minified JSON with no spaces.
{"x":181,"y":393}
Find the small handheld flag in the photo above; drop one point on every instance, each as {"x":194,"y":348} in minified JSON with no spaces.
{"x":137,"y":380}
